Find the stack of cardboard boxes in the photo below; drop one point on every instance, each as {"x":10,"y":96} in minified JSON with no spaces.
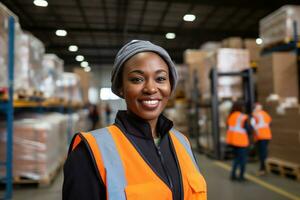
{"x":277,"y":73}
{"x":285,"y":126}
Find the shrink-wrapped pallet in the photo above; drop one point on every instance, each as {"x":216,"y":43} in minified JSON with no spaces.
{"x":69,"y":88}
{"x":277,"y":27}
{"x":39,"y":145}
{"x":228,"y":60}
{"x":54,"y":68}
{"x":4,"y":17}
{"x":28,"y":65}
{"x":201,"y":62}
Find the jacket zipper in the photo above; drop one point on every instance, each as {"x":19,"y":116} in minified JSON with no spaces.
{"x":178,"y":167}
{"x":164,"y":168}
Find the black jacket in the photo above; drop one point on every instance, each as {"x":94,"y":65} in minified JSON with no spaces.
{"x":82,"y":179}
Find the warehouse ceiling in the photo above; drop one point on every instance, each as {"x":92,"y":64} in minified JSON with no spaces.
{"x":100,"y":27}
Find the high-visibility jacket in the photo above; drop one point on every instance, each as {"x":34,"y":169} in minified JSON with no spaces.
{"x":236,"y":134}
{"x":127,"y":175}
{"x":262,"y":126}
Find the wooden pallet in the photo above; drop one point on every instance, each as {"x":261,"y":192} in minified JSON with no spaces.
{"x":24,"y":95}
{"x":283,"y":168}
{"x":44,"y":181}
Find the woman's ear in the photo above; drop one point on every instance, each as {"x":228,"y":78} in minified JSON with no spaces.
{"x":121,"y":92}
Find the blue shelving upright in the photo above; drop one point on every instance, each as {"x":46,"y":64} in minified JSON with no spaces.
{"x":8,"y":109}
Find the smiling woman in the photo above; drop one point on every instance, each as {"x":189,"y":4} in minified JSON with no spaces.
{"x":146,"y":86}
{"x":140,"y":156}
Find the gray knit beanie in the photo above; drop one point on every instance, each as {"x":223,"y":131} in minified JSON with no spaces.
{"x":129,"y":50}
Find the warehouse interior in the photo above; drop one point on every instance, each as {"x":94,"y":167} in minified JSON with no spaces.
{"x":56,"y":59}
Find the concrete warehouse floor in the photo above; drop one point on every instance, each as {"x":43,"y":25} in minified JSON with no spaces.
{"x":216,"y":173}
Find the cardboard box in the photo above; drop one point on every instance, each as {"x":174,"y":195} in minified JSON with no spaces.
{"x":277,"y":74}
{"x":192,"y":56}
{"x":85,"y":78}
{"x":232,"y":42}
{"x":253,"y":48}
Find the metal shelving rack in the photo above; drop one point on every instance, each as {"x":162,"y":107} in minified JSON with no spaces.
{"x":8,"y":109}
{"x":248,"y":102}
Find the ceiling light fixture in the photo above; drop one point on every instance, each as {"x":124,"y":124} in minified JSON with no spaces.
{"x":189,"y":17}
{"x":170,"y":36}
{"x":61,"y":32}
{"x":259,"y":41}
{"x":40,"y":3}
{"x":87,"y":69}
{"x":73,"y":48}
{"x":79,"y":58}
{"x":84,"y":64}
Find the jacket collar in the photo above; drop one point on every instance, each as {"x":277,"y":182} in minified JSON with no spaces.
{"x":134,"y":125}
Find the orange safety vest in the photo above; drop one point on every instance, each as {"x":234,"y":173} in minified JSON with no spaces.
{"x":236,"y":134}
{"x":125,"y":173}
{"x":262,"y":126}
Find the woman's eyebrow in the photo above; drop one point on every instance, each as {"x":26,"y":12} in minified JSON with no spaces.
{"x":161,"y":70}
{"x":136,"y":71}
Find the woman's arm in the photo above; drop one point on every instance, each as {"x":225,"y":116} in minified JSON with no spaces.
{"x":80,"y":177}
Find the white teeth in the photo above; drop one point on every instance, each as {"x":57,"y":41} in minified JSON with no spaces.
{"x":151,"y":102}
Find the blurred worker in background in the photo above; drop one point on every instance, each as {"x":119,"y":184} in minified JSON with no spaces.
{"x":107,"y":113}
{"x":93,"y":115}
{"x":237,"y":137}
{"x":140,"y":156}
{"x":262,"y":134}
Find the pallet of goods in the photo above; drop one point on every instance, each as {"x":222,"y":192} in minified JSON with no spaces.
{"x":277,"y":28}
{"x":284,"y":148}
{"x":40,"y":145}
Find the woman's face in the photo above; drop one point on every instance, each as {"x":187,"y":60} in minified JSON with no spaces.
{"x":146,"y":85}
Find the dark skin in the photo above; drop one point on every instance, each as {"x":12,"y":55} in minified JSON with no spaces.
{"x":146,"y":87}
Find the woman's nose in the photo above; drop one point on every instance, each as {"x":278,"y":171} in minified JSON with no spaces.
{"x":150,"y":87}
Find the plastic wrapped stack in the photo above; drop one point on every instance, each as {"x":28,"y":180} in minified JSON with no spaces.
{"x":230,"y":60}
{"x":69,"y":88}
{"x":225,"y":60}
{"x":277,"y":27}
{"x":40,"y":144}
{"x":54,"y":68}
{"x":4,"y":17}
{"x":28,"y":65}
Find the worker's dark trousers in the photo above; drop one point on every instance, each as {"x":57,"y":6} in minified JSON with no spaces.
{"x":262,"y":153}
{"x":240,"y":160}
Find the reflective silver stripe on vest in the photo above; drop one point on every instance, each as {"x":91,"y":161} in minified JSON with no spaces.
{"x":261,"y":122}
{"x":238,"y":127}
{"x":186,"y":145}
{"x":115,"y":175}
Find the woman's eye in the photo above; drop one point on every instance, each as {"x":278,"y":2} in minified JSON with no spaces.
{"x":161,"y":79}
{"x":136,"y":80}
